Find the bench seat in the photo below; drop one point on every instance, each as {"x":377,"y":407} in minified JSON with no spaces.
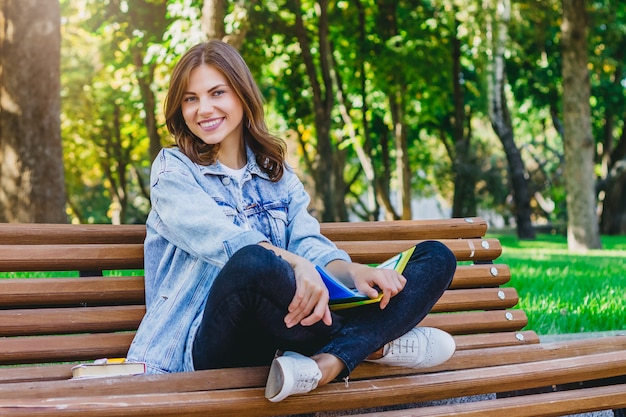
{"x":50,"y":323}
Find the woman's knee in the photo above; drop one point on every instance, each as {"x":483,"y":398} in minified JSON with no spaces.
{"x":256,"y":261}
{"x":440,"y":252}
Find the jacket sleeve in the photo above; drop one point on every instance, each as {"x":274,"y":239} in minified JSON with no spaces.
{"x":304,"y":236}
{"x":188,"y":217}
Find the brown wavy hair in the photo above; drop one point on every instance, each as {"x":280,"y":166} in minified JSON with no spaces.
{"x":269,"y":149}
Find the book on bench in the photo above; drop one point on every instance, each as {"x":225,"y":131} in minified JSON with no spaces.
{"x":107,"y":367}
{"x":342,"y":296}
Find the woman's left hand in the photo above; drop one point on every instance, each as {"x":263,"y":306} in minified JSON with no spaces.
{"x":369,"y":280}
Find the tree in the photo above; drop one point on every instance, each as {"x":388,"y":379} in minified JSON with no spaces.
{"x":109,"y":108}
{"x":31,"y":160}
{"x":501,"y":121}
{"x":579,"y":145}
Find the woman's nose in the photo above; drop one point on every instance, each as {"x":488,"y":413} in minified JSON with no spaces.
{"x":206,"y":106}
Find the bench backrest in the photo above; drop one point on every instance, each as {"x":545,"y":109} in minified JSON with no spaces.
{"x":87,"y":316}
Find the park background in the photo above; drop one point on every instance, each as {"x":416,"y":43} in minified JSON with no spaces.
{"x":511,"y":110}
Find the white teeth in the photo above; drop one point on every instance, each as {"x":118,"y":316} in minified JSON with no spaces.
{"x":209,"y":123}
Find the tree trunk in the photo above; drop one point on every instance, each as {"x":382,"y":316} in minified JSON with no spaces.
{"x":613,"y":214}
{"x":502,"y":125}
{"x":145,"y":77}
{"x":582,"y":224}
{"x":465,"y":171}
{"x":213,"y":12}
{"x":329,"y":181}
{"x":396,"y":109}
{"x":403,"y":173}
{"x":613,"y":221}
{"x":32,"y":185}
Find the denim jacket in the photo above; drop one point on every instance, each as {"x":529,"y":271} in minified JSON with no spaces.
{"x":200,"y":217}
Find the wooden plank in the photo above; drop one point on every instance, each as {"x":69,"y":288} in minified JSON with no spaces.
{"x":471,"y":322}
{"x":43,"y":292}
{"x":493,"y":340}
{"x":70,"y":257}
{"x":20,"y":292}
{"x":406,"y":229}
{"x":37,"y":349}
{"x":256,"y":376}
{"x":476,"y":299}
{"x":59,"y":348}
{"x":27,"y":322}
{"x":37,"y":233}
{"x":478,"y":250}
{"x":332,"y":397}
{"x":50,"y":234}
{"x":481,"y":275}
{"x":130,"y":256}
{"x":553,"y":404}
{"x":474,"y":344}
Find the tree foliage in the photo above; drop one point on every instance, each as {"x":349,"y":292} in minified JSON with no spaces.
{"x":381,"y":102}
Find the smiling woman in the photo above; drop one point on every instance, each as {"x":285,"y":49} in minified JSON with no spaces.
{"x":231,"y":253}
{"x":214,"y":113}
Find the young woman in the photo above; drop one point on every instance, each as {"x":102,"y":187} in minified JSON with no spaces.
{"x":231,"y":250}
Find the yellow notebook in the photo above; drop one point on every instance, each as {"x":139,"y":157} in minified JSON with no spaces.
{"x":107,"y":367}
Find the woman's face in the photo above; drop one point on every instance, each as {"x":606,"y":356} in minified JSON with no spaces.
{"x":211,"y":108}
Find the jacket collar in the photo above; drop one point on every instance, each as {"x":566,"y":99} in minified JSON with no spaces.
{"x":251,"y":166}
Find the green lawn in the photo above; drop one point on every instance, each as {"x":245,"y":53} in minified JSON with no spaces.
{"x":564,"y":292}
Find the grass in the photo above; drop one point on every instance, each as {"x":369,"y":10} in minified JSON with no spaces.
{"x":563,"y":292}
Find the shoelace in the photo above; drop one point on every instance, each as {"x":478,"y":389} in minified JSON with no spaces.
{"x":407,"y":344}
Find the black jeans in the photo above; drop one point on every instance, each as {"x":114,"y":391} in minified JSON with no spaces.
{"x":243,"y":317}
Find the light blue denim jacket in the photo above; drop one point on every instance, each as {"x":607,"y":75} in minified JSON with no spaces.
{"x":200,"y":217}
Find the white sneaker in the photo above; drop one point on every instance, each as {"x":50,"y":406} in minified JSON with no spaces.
{"x":421,"y":347}
{"x":291,"y":373}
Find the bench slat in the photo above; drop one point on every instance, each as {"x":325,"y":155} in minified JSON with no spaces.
{"x":79,"y":234}
{"x":493,"y":340}
{"x":130,"y":256}
{"x":476,"y":299}
{"x":46,"y":349}
{"x":37,"y":234}
{"x":406,"y":229}
{"x":477,"y":321}
{"x":25,"y":322}
{"x":70,"y":257}
{"x":462,"y":359}
{"x":332,"y":397}
{"x":479,"y":250}
{"x":536,"y":405}
{"x":481,"y":275}
{"x":51,"y":348}
{"x":256,"y":376}
{"x":43,"y":292}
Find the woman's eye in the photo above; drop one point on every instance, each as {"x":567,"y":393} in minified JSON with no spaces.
{"x":188,"y":99}
{"x":219,"y":92}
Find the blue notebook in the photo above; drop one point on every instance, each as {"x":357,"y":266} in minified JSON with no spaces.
{"x":341,"y":296}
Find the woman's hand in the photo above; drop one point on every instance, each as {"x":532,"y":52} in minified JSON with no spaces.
{"x":367,"y":279}
{"x":310,"y":302}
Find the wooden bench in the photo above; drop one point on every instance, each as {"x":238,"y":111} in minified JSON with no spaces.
{"x":49,"y":323}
